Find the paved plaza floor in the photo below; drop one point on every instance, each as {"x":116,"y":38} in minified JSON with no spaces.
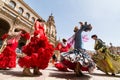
{"x":51,"y":73}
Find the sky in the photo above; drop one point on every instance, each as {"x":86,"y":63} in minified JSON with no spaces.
{"x":103,"y":15}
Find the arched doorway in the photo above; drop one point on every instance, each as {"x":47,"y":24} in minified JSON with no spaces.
{"x":22,"y":41}
{"x":4,"y":27}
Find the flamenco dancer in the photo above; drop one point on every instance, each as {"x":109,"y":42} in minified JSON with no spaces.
{"x":63,"y":46}
{"x":7,"y":51}
{"x":78,"y":59}
{"x":37,"y":52}
{"x":106,"y":61}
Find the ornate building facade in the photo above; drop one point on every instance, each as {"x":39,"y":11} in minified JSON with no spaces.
{"x":114,"y":49}
{"x":17,"y":14}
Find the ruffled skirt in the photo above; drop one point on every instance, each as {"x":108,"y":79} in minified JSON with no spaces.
{"x":107,"y":62}
{"x":8,"y":58}
{"x":39,"y":59}
{"x":69,"y":59}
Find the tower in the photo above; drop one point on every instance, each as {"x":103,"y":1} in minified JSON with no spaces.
{"x":51,"y":29}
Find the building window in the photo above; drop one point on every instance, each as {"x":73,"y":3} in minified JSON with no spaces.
{"x":47,"y":31}
{"x":27,"y":15}
{"x":12,"y":4}
{"x":20,"y":10}
{"x":33,"y":19}
{"x":52,"y":34}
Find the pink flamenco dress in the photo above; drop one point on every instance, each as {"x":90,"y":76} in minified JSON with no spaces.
{"x":8,"y":55}
{"x":38,"y":50}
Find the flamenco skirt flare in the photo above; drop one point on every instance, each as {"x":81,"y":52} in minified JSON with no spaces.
{"x":8,"y":58}
{"x":39,"y":59}
{"x":107,"y":62}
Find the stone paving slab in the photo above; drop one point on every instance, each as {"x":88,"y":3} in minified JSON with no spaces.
{"x":51,"y":73}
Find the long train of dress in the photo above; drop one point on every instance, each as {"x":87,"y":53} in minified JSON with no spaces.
{"x":107,"y":62}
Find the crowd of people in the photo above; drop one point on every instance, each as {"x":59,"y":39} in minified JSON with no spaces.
{"x":38,"y":51}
